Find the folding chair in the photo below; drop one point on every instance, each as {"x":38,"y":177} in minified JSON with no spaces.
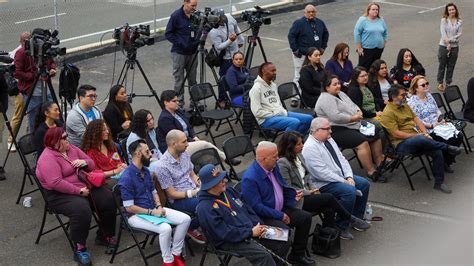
{"x":235,"y":147}
{"x":452,"y":94}
{"x":25,"y":147}
{"x":400,"y":158}
{"x":460,"y":124}
{"x":290,"y":90}
{"x":203,"y":91}
{"x":234,"y":107}
{"x":253,"y":72}
{"x":267,"y":133}
{"x":123,"y":150}
{"x":63,"y":225}
{"x":124,"y":225}
{"x":206,"y":156}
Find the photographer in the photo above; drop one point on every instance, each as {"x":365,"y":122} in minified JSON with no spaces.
{"x":185,"y":42}
{"x":226,"y":37}
{"x":26,"y":72}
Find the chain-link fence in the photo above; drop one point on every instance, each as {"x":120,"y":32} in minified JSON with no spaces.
{"x":84,"y":22}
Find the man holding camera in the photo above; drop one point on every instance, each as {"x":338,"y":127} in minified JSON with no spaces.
{"x":26,"y":72}
{"x":185,"y":42}
{"x":306,"y":32}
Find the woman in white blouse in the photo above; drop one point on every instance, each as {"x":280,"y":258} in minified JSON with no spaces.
{"x":451,"y":30}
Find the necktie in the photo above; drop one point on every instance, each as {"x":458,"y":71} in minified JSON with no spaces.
{"x":334,"y":155}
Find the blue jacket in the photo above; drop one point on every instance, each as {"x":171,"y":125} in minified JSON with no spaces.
{"x":217,"y":220}
{"x":166,"y":123}
{"x":178,"y":31}
{"x":257,"y":191}
{"x":302,"y":32}
{"x":236,"y":78}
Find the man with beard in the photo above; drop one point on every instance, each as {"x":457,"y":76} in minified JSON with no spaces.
{"x":266,"y":106}
{"x":409,"y":136}
{"x":175,"y":173}
{"x":139,"y":196}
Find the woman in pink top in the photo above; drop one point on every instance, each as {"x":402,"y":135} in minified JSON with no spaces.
{"x":68,"y":195}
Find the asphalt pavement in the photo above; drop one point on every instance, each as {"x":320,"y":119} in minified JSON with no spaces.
{"x":422,"y":227}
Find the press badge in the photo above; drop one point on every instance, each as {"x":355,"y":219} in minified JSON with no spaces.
{"x":316,"y":38}
{"x":239,"y":202}
{"x":192,"y":34}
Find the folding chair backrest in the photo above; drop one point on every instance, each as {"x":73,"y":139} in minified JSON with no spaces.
{"x":25,"y":144}
{"x":123,"y":150}
{"x":223,"y":83}
{"x":253,"y":72}
{"x":287,"y":90}
{"x":116,"y":193}
{"x":238,"y":146}
{"x":452,"y":93}
{"x":206,"y":156}
{"x":201,"y":91}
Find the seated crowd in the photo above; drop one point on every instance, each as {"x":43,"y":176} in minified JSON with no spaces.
{"x":304,"y":174}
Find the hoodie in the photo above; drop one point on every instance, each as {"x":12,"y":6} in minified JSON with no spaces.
{"x":77,"y":122}
{"x":221,"y":226}
{"x":265,"y":101}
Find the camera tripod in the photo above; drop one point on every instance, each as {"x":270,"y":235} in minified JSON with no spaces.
{"x":130,"y":64}
{"x":45,"y":84}
{"x":253,"y":40}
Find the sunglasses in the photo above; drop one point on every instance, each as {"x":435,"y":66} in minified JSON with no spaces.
{"x":425,"y":84}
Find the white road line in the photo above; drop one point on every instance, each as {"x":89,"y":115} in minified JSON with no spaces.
{"x":273,"y":39}
{"x":34,"y":19}
{"x":431,"y":9}
{"x":399,"y":4}
{"x":284,"y":49}
{"x":415,"y":213}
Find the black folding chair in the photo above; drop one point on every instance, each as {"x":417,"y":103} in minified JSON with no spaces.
{"x":399,"y":159}
{"x":201,"y":92}
{"x":459,"y":124}
{"x":453,"y":94}
{"x":236,"y":108}
{"x":253,"y":72}
{"x":123,"y":150}
{"x":289,"y":90}
{"x":124,"y":225}
{"x":206,"y":156}
{"x":26,"y":148}
{"x":235,"y":147}
{"x":63,"y":225}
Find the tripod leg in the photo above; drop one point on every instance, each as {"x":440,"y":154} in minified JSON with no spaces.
{"x":123,"y":73}
{"x":186,"y":77}
{"x":261,"y":49}
{"x":153,"y":92}
{"x":249,"y":55}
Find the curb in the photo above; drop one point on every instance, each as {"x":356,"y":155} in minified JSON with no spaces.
{"x":91,"y":50}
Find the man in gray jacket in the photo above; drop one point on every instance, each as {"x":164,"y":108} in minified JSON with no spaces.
{"x":81,"y":114}
{"x":266,"y":106}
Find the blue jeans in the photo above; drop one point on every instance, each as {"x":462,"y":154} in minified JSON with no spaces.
{"x":294,"y":121}
{"x":423,"y":145}
{"x":188,"y":206}
{"x":33,"y":108}
{"x":346,"y":195}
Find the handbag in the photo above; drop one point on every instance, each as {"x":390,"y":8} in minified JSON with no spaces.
{"x":215,"y":58}
{"x":326,"y":242}
{"x":94,"y":178}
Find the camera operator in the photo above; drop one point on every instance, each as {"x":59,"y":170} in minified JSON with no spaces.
{"x":226,"y":36}
{"x":26,"y":72}
{"x":185,"y":42}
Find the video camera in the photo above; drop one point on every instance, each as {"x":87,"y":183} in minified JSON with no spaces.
{"x":256,"y":18}
{"x":43,"y":44}
{"x":5,"y":62}
{"x":133,"y":37}
{"x":206,"y":20}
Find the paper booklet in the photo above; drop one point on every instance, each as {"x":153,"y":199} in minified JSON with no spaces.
{"x":275,"y":233}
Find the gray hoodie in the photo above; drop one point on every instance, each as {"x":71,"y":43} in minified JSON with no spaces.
{"x":264,"y":100}
{"x":76,"y":124}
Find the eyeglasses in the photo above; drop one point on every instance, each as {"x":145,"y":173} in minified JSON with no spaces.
{"x":404,"y":95}
{"x":92,"y":96}
{"x":425,"y":84}
{"x":325,"y":128}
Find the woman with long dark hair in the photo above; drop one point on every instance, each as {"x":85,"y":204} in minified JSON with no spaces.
{"x":143,"y":127}
{"x":340,"y":65}
{"x":69,"y":195}
{"x":451,"y":30}
{"x":361,"y":95}
{"x":100,"y":147}
{"x":48,"y":117}
{"x":379,"y":82}
{"x":406,"y":69}
{"x":293,"y":169}
{"x":311,"y":75}
{"x":118,"y":113}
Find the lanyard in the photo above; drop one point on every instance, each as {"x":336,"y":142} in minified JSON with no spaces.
{"x":226,"y":204}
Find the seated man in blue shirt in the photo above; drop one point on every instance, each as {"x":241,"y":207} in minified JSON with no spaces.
{"x":230,"y":224}
{"x":265,"y":190}
{"x":139,"y":196}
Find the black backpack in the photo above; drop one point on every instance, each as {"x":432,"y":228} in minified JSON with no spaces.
{"x":68,"y":82}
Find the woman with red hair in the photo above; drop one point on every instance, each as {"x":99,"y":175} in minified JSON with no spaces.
{"x":69,"y":195}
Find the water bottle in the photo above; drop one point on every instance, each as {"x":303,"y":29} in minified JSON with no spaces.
{"x":368,"y":213}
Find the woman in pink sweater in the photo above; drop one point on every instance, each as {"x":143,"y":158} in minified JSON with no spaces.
{"x":68,"y":195}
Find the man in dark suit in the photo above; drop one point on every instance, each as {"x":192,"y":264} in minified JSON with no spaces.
{"x":265,"y":190}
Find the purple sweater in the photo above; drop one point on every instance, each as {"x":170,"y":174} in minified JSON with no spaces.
{"x":55,"y":173}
